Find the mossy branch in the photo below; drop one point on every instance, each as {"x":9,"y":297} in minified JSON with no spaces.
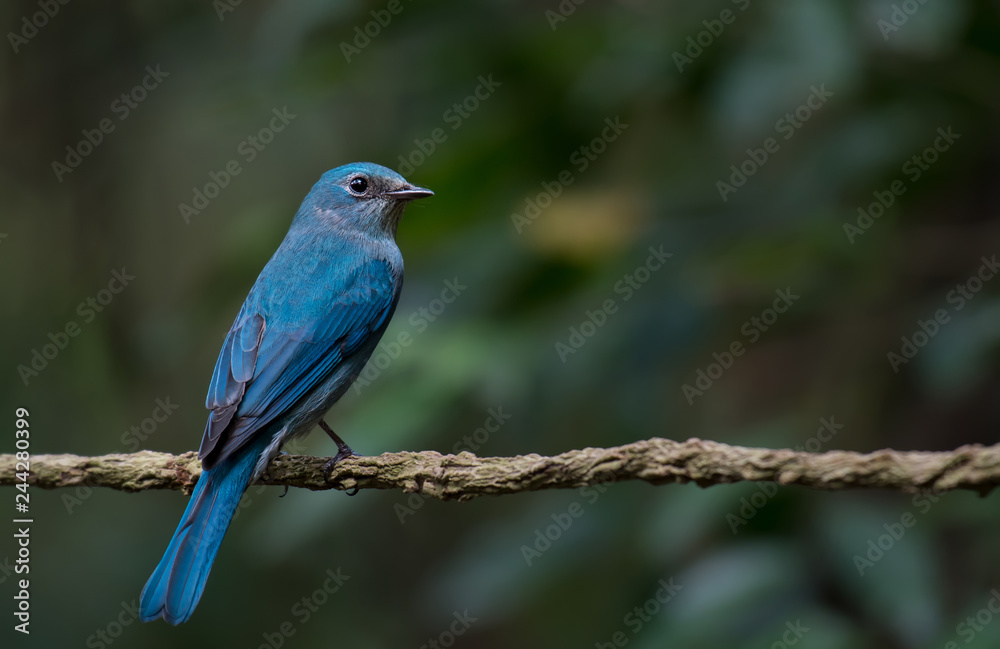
{"x":464,"y":476}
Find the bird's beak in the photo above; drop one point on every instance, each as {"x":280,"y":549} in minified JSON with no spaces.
{"x":409,"y":193}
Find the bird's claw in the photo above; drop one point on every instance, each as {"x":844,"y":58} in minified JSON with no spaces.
{"x":343,"y":452}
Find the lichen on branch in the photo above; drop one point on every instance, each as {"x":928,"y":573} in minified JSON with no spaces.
{"x":464,"y":476}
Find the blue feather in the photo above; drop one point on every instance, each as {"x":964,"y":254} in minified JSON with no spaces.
{"x":176,"y":585}
{"x":308,"y":326}
{"x":291,"y":363}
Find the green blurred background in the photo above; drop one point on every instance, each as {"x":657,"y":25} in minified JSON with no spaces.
{"x":411,"y":571}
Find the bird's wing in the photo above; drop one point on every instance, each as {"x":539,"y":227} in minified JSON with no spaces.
{"x":264,"y":368}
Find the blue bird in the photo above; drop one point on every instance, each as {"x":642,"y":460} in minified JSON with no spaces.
{"x":305,"y":332}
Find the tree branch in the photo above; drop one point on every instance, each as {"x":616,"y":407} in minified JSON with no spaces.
{"x":464,"y":476}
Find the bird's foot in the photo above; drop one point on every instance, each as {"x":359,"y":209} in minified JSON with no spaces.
{"x":343,"y":451}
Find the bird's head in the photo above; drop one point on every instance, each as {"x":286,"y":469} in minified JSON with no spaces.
{"x":360,"y":195}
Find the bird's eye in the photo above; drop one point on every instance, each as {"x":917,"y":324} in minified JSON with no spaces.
{"x":358,"y":185}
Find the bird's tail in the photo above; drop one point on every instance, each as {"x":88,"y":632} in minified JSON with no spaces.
{"x":175,"y":587}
